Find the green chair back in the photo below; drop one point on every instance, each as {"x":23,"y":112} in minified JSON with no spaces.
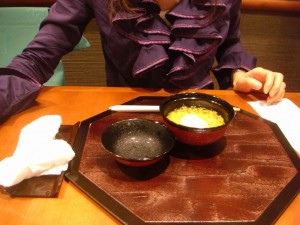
{"x":18,"y":26}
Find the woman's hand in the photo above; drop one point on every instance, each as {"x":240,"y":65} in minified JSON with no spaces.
{"x":260,"y":79}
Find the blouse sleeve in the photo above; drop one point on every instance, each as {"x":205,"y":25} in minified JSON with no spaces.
{"x":17,"y":92}
{"x":231,"y":54}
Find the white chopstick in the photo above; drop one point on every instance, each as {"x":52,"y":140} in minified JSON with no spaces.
{"x":135,"y":108}
{"x":142,"y":108}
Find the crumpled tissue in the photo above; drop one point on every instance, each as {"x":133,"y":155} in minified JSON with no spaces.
{"x":286,"y":115}
{"x":37,"y":152}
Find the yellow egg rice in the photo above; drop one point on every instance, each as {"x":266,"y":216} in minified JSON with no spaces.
{"x":211,"y":117}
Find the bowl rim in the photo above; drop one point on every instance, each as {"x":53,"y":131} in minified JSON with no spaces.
{"x":195,"y":95}
{"x":141,"y":160}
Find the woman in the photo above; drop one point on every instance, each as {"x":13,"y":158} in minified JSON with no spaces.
{"x":169,"y":44}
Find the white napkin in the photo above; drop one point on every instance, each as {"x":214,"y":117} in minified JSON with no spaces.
{"x":286,"y":115}
{"x":37,"y":153}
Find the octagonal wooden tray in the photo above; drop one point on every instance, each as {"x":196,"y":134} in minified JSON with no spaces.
{"x":248,"y":177}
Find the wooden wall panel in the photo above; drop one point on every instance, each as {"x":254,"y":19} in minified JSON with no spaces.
{"x":274,"y":39}
{"x":26,"y":2}
{"x":272,"y":5}
{"x":86,"y":66}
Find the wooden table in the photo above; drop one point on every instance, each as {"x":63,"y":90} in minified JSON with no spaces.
{"x":76,"y":104}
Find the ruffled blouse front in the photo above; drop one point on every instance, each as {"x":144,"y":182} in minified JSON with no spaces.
{"x":183,"y":53}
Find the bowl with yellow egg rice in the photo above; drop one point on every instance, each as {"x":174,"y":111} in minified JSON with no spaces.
{"x":196,"y":118}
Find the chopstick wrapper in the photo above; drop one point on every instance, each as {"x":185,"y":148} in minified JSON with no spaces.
{"x":286,"y":115}
{"x":37,"y":153}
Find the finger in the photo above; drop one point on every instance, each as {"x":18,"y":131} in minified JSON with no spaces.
{"x":277,"y":84}
{"x":253,"y":84}
{"x":279,"y":95}
{"x":269,"y":81}
{"x":259,"y":73}
{"x":264,"y":76}
{"x":247,"y":84}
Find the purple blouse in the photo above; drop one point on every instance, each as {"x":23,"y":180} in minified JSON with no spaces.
{"x":140,"y":49}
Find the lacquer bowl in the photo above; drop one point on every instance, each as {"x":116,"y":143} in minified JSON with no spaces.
{"x":137,"y":142}
{"x":193,"y":135}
